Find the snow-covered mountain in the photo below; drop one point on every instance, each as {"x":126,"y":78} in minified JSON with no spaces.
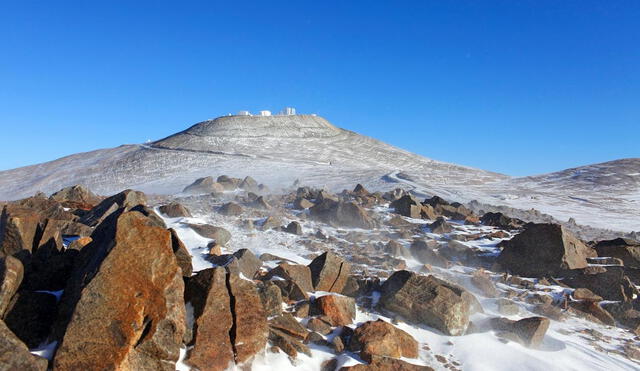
{"x":280,"y":149}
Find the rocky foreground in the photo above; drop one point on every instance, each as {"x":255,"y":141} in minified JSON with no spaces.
{"x":227,"y":274}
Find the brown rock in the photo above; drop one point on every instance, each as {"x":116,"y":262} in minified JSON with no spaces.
{"x":482,"y":280}
{"x":123,"y":306}
{"x":608,"y":282}
{"x":329,"y":272}
{"x":219,"y":234}
{"x":79,"y":243}
{"x":126,"y":199}
{"x":175,"y":210}
{"x":529,"y":331}
{"x":340,"y":310}
{"x":230,"y":209}
{"x":293,"y":228}
{"x":585,"y":294}
{"x":18,"y":229}
{"x":204,"y":185}
{"x":427,"y":300}
{"x":289,"y":325}
{"x":387,"y":364}
{"x":379,"y":338}
{"x":76,"y":197}
{"x":345,"y":214}
{"x":425,"y":254}
{"x":544,"y":250}
{"x":300,"y":274}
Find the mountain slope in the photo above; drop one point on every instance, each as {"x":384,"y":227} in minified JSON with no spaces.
{"x":277,"y":150}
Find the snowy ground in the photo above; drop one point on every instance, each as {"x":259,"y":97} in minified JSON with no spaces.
{"x":575,"y":344}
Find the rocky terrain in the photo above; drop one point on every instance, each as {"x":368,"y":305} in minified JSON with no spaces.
{"x":281,"y":149}
{"x":229,"y":273}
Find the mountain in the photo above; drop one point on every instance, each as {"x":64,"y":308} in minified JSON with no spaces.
{"x":277,"y":150}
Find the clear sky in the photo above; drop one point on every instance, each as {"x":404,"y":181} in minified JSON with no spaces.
{"x":518,"y":87}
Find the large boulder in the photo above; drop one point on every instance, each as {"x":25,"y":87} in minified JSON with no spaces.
{"x":386,"y":364}
{"x":382,"y":339}
{"x":544,"y":250}
{"x":123,"y":307}
{"x":14,"y":355}
{"x":528,"y":331}
{"x":127,"y":199}
{"x":76,"y":197}
{"x":608,"y":282}
{"x":230,"y":209}
{"x":339,"y":213}
{"x":329,"y":272}
{"x":204,"y":185}
{"x":425,"y":253}
{"x":249,"y":184}
{"x":300,"y":274}
{"x":19,"y":227}
{"x":501,"y":221}
{"x":427,"y":300}
{"x":174,"y":210}
{"x":339,"y":310}
{"x":409,"y":206}
{"x":625,"y":249}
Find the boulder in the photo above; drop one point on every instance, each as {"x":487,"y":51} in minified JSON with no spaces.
{"x":11,"y":274}
{"x":271,"y":298}
{"x":293,"y":228}
{"x":76,"y":197}
{"x":440,"y":226}
{"x":230,"y":209}
{"x":204,"y":185}
{"x":14,"y":354}
{"x":544,"y":250}
{"x":219,"y":234}
{"x":286,"y":323}
{"x":123,"y":306}
{"x":409,"y":206}
{"x":339,"y":309}
{"x":329,"y":272}
{"x":248,"y":264}
{"x":182,"y":254}
{"x":18,"y":229}
{"x":302,"y":203}
{"x":228,"y":182}
{"x":608,"y":282}
{"x":501,"y":221}
{"x":339,"y":213}
{"x":175,"y":210}
{"x":249,"y":184}
{"x":382,"y":339}
{"x":427,"y":300}
{"x":395,"y":249}
{"x":126,"y":199}
{"x":300,"y":274}
{"x":529,"y":331}
{"x":482,"y":280}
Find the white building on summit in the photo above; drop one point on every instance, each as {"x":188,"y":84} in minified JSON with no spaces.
{"x":287,"y":111}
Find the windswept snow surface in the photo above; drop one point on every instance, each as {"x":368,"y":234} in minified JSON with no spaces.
{"x":280,"y":149}
{"x":568,"y":345}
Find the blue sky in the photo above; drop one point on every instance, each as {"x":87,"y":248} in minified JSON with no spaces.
{"x":518,"y":87}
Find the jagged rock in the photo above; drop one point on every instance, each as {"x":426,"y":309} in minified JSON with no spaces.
{"x":219,"y":234}
{"x":300,"y":274}
{"x":425,"y":254}
{"x":408,"y":206}
{"x":501,"y":221}
{"x":544,"y":250}
{"x":123,"y":306}
{"x":45,"y":207}
{"x":293,"y":228}
{"x":456,"y":250}
{"x":427,"y":300}
{"x":360,"y":190}
{"x":249,"y":184}
{"x":290,"y":345}
{"x":626,"y":249}
{"x":329,"y":272}
{"x":214,"y":249}
{"x":302,"y":203}
{"x":248,"y":263}
{"x":30,"y":316}
{"x":529,"y":331}
{"x":386,"y":364}
{"x":150,"y":214}
{"x":175,"y":210}
{"x":208,"y":293}
{"x":382,"y":339}
{"x":182,"y":254}
{"x":230,"y":209}
{"x":607,"y":282}
{"x":289,"y":325}
{"x":204,"y":185}
{"x":591,"y":310}
{"x":127,"y":199}
{"x":440,"y":226}
{"x":18,"y":229}
{"x":338,"y":213}
{"x":11,"y":274}
{"x":319,"y":325}
{"x":14,"y":355}
{"x":76,"y":197}
{"x":436,"y":201}
{"x":340,"y":310}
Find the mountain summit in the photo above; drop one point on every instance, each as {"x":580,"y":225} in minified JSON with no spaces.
{"x":280,"y":149}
